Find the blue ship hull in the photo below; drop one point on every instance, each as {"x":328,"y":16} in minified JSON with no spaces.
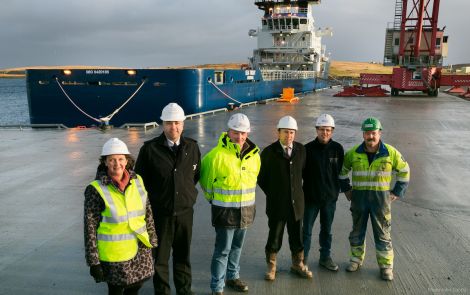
{"x":100,"y":92}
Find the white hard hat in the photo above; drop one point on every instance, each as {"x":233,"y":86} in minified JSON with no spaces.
{"x":114,"y":146}
{"x":172,"y":112}
{"x":239,"y":122}
{"x":325,"y":120}
{"x":287,"y":122}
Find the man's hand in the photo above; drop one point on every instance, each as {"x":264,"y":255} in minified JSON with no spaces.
{"x":348,"y":195}
{"x":393,"y":197}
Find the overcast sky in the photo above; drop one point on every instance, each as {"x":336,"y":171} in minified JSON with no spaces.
{"x":152,"y":33}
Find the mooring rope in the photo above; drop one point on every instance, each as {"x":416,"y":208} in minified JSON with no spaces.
{"x":118,"y":109}
{"x":71,"y":100}
{"x":225,"y":94}
{"x":106,"y":118}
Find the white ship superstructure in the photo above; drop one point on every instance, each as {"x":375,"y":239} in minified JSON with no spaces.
{"x":289,"y":45}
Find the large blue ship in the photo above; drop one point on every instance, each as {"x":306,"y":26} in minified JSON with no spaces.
{"x":289,"y":54}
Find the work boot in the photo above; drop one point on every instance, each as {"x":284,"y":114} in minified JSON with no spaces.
{"x":328,"y":263}
{"x":270,"y":274}
{"x":386,"y":274}
{"x":237,"y":285}
{"x":353,"y":266}
{"x":298,"y":267}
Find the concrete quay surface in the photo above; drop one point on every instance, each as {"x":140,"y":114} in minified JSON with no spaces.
{"x":44,"y":173}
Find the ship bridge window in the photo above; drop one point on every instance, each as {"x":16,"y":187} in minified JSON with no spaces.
{"x":289,"y":23}
{"x":295,"y":23}
{"x":444,"y":40}
{"x":219,"y":77}
{"x":303,"y":21}
{"x":397,"y":41}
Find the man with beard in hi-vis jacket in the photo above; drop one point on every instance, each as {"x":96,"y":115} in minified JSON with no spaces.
{"x":372,"y":164}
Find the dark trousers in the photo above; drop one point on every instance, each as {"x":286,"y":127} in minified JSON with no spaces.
{"x":327,"y":214}
{"x":276,"y":233}
{"x":174,"y":232}
{"x":132,"y":289}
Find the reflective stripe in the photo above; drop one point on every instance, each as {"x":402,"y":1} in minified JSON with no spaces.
{"x":206,"y":190}
{"x":233,"y":204}
{"x":142,"y":193}
{"x":405,"y":170}
{"x":141,"y":230}
{"x":114,"y":218}
{"x":123,"y":237}
{"x":372,"y":173}
{"x":343,"y":177}
{"x":371,"y":183}
{"x":119,"y":219}
{"x":234,"y":192}
{"x":109,"y":199}
{"x":403,"y":179}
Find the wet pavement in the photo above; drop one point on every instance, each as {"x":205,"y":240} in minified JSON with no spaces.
{"x":44,"y":173}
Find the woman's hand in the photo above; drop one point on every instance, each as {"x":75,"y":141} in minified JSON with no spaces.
{"x":97,"y":273}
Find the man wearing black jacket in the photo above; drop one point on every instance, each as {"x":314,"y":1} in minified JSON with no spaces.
{"x":321,"y":188}
{"x":280,"y":178}
{"x":170,"y":167}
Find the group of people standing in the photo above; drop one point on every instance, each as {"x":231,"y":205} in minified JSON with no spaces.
{"x":124,"y":217}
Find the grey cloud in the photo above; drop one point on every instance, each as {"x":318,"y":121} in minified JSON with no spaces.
{"x":183,"y":32}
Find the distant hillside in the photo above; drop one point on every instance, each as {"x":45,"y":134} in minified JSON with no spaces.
{"x":353,"y":69}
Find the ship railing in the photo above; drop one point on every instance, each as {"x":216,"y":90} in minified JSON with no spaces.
{"x":45,"y":126}
{"x":297,"y":60}
{"x":299,"y":44}
{"x":191,"y":116}
{"x":269,"y":75}
{"x":143,"y":125}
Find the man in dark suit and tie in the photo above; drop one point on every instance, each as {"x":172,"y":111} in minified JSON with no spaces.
{"x":170,"y":167}
{"x":280,"y":178}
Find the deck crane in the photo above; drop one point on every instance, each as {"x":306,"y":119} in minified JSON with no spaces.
{"x":416,"y":47}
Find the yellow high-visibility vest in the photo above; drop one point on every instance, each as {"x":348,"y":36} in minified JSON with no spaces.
{"x":123,"y":221}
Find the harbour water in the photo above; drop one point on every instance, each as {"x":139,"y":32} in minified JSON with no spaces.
{"x":13,"y":102}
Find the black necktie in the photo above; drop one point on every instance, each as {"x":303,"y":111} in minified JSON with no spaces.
{"x":174,"y":148}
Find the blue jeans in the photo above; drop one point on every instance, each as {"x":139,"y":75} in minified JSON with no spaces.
{"x":327,"y":214}
{"x":226,"y":258}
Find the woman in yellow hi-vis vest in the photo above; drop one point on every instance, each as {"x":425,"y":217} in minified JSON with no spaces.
{"x":119,"y":227}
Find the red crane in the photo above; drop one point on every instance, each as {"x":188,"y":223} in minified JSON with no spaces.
{"x":416,"y":46}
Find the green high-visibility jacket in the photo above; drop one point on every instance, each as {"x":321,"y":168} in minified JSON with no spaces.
{"x":122,"y":222}
{"x":228,"y":180}
{"x":378,"y":175}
